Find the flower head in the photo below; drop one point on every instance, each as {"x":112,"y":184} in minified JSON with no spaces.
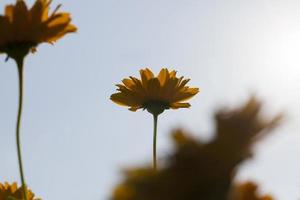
{"x":11,"y":191}
{"x":154,"y":93}
{"x":22,"y":29}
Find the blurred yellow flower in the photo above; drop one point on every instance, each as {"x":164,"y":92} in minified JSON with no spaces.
{"x":22,"y":29}
{"x":248,"y":191}
{"x":154,"y":93}
{"x":11,"y":191}
{"x":204,"y":170}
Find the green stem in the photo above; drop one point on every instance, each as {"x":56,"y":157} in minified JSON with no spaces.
{"x":155,"y":117}
{"x":18,"y":128}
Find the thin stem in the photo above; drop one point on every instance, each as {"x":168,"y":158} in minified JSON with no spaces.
{"x":18,"y":128}
{"x":155,"y":117}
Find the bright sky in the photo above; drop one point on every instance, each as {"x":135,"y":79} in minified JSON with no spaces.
{"x":76,"y":141}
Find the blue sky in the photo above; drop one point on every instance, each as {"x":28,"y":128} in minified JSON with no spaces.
{"x":76,"y":141}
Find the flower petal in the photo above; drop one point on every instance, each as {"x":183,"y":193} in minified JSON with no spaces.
{"x":146,"y":75}
{"x":39,"y":12}
{"x":153,"y":89}
{"x":128,"y":83}
{"x":163,"y":76}
{"x":9,"y":10}
{"x":185,"y":95}
{"x":179,"y":105}
{"x":124,"y":99}
{"x":173,"y":74}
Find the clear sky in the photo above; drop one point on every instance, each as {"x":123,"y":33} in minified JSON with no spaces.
{"x":76,"y":141}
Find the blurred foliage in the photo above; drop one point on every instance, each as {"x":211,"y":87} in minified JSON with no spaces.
{"x":204,"y":171}
{"x":13,"y":192}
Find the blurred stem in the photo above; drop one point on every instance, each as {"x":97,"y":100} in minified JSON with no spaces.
{"x":20,"y":63}
{"x":155,"y":118}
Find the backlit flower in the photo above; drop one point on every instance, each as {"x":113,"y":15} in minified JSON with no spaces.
{"x":22,"y":29}
{"x":12,"y":191}
{"x":154,"y":93}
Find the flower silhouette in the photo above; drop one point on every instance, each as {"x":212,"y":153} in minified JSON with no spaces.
{"x":154,"y":93}
{"x":22,"y":29}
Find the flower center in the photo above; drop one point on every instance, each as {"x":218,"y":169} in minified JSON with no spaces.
{"x":18,"y":50}
{"x":156,"y":107}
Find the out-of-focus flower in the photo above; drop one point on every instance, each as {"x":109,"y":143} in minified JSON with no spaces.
{"x":13,"y":192}
{"x":154,"y":93}
{"x":248,"y":191}
{"x":22,"y":29}
{"x":201,"y":170}
{"x":238,"y":129}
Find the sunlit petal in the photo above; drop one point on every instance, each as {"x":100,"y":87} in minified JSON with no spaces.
{"x":180,"y":105}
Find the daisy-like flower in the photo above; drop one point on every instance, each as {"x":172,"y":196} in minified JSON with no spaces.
{"x":155,"y":94}
{"x":22,"y":29}
{"x":13,"y":192}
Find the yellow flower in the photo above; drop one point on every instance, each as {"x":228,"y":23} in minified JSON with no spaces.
{"x":154,"y":93}
{"x":248,"y":191}
{"x":22,"y":29}
{"x":12,"y":192}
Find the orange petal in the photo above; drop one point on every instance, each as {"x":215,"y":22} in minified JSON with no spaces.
{"x":173,"y":74}
{"x":53,"y":33}
{"x":9,"y":12}
{"x":39,"y":11}
{"x":58,"y":19}
{"x":20,"y":13}
{"x":185,"y":95}
{"x":163,"y":76}
{"x":153,"y":88}
{"x":135,"y":108}
{"x":179,"y":105}
{"x":169,"y":89}
{"x":149,"y":73}
{"x":128,"y":83}
{"x":125,"y":99}
{"x":138,"y":83}
{"x":5,"y":30}
{"x":183,"y":83}
{"x":146,"y":75}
